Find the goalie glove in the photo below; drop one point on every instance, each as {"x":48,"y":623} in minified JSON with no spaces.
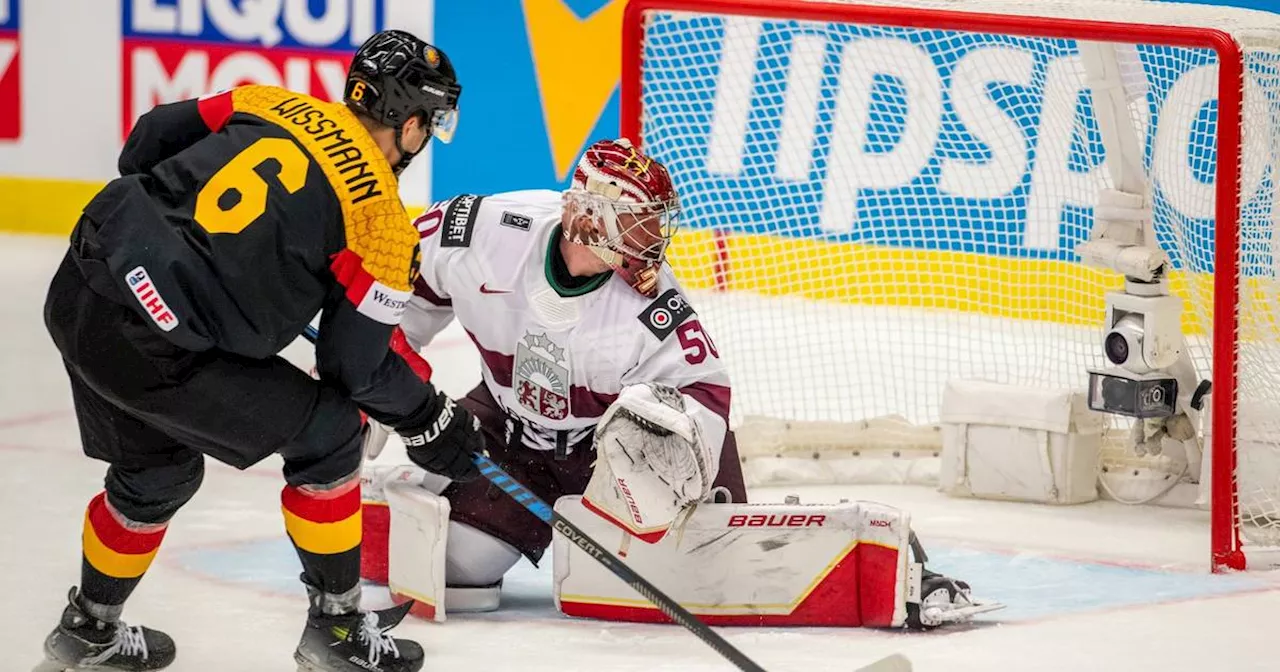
{"x":651,"y":462}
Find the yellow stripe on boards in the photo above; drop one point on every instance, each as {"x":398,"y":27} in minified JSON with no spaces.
{"x":43,"y":206}
{"x":111,"y":563}
{"x":1032,"y":289}
{"x":324,"y":538}
{"x":1062,"y":292}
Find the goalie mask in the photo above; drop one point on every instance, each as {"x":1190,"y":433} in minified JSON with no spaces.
{"x":623,"y":206}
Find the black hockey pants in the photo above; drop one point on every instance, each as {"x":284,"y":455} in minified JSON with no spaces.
{"x":153,"y":410}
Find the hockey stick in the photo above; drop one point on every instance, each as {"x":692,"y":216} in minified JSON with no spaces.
{"x":526,"y":498}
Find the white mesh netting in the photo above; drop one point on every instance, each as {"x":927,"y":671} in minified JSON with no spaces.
{"x":871,"y":211}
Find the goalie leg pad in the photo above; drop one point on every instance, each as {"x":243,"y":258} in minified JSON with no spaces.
{"x":417,"y":538}
{"x":376,"y":516}
{"x":749,"y":564}
{"x":412,"y":545}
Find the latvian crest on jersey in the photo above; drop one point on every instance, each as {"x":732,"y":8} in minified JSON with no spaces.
{"x":542,"y":377}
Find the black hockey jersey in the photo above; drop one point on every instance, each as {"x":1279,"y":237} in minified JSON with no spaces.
{"x":239,"y":216}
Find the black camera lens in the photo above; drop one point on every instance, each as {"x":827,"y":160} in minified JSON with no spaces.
{"x":1117,"y":348}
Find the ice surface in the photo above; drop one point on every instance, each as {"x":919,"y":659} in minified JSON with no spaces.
{"x":1095,"y":587}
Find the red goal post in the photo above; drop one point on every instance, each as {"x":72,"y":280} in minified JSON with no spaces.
{"x":673,"y":64}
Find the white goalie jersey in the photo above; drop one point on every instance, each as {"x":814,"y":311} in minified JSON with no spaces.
{"x":552,"y":357}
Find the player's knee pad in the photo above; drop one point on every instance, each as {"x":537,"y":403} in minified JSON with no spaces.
{"x":153,"y":494}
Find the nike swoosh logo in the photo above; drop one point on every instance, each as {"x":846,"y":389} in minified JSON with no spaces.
{"x":484,"y":289}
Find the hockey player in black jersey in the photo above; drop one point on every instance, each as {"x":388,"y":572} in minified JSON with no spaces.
{"x":236,"y":218}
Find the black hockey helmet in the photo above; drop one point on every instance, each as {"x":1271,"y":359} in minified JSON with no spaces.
{"x":394,"y":76}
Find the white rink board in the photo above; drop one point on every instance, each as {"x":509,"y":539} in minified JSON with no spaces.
{"x":223,"y":584}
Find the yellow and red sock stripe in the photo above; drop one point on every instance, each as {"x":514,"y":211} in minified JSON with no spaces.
{"x":117,"y":549}
{"x":323,"y":522}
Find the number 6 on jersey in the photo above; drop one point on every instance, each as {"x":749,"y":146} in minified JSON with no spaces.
{"x":237,"y":194}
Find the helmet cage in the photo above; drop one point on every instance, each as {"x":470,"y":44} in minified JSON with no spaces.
{"x":622,"y":229}
{"x":622,"y":205}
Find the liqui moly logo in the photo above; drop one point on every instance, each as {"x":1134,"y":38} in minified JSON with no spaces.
{"x":147,"y":295}
{"x":180,"y":49}
{"x":10,"y":72}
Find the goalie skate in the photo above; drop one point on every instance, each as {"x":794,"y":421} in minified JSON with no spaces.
{"x":943,"y":601}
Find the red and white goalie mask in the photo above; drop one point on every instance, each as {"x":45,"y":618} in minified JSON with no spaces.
{"x":623,"y":206}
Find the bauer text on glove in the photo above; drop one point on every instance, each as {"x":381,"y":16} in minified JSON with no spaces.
{"x":442,"y":438}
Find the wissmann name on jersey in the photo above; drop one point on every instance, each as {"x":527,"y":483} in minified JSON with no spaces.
{"x":347,"y":156}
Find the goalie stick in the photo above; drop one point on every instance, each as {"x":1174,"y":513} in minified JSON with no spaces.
{"x":526,"y":498}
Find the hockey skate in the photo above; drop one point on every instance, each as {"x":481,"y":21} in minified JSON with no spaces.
{"x":356,"y":641}
{"x":944,"y":600}
{"x":89,"y":638}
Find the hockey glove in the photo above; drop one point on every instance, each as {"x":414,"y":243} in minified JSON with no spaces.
{"x":442,"y":438}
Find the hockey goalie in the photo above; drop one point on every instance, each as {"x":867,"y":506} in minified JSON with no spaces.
{"x":603,"y":392}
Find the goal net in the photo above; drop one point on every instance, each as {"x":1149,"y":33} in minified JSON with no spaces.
{"x":883,"y":197}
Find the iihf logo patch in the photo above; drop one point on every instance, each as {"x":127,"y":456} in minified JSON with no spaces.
{"x":149,"y":297}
